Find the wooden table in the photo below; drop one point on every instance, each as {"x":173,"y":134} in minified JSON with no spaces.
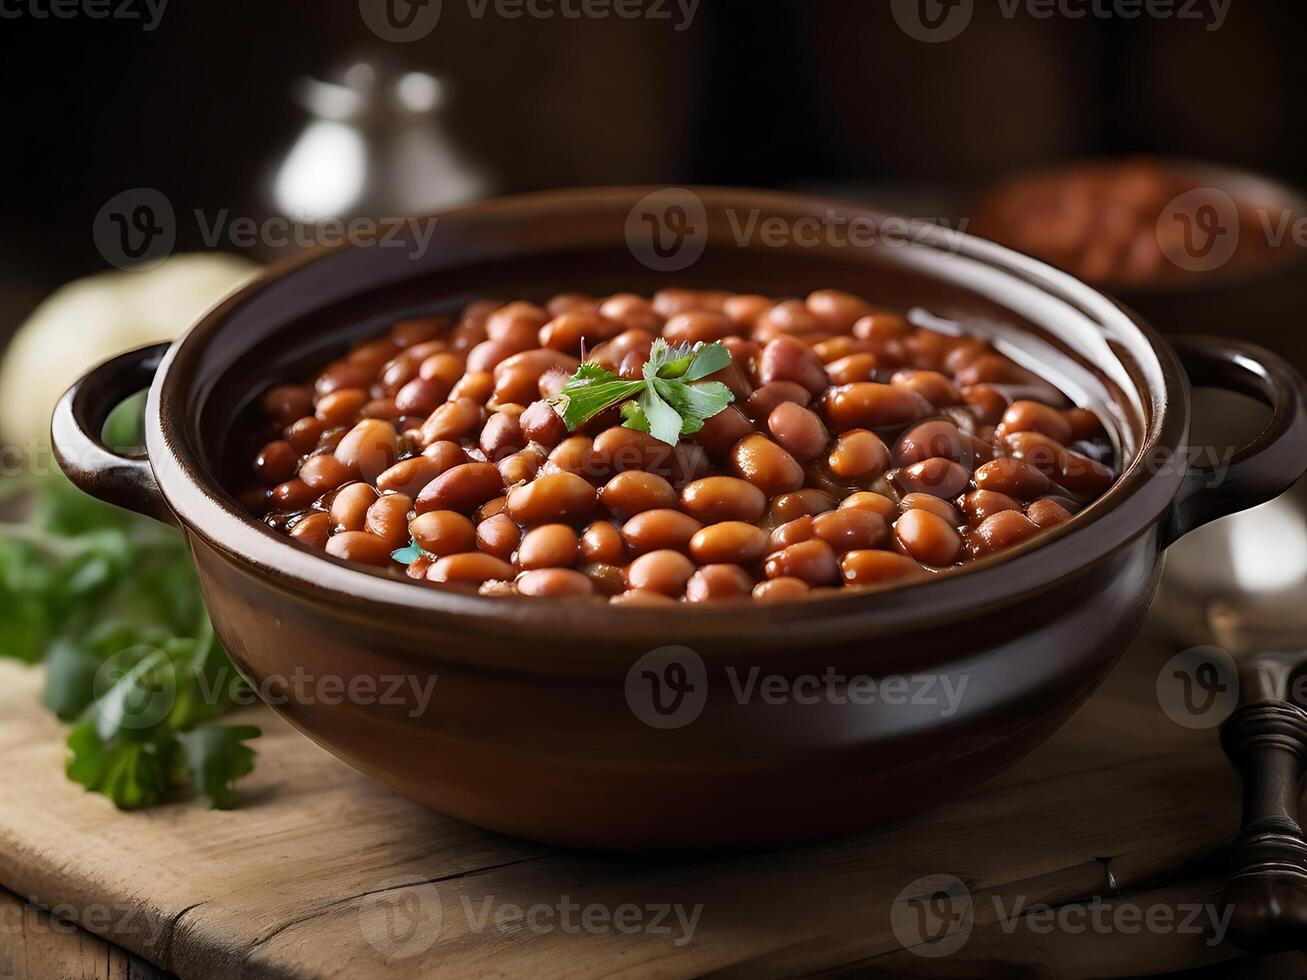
{"x":324,"y":874}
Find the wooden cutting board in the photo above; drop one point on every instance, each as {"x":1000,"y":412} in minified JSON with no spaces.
{"x":325,"y":874}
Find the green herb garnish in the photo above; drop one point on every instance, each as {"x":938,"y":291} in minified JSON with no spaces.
{"x":665,"y":403}
{"x":109,"y":602}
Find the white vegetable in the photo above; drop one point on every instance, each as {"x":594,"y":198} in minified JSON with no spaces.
{"x":89,"y":320}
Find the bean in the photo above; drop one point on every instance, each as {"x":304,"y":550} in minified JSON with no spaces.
{"x":313,"y":530}
{"x":664,"y":571}
{"x":462,"y":488}
{"x":421,"y":396}
{"x":517,"y":378}
{"x":451,"y":421}
{"x":714,"y":583}
{"x":325,"y":473}
{"x":1084,"y":424}
{"x":1042,"y":452}
{"x":611,"y":354}
{"x":851,"y":529}
{"x":475,"y":385}
{"x":370,"y":356}
{"x":798,"y":431}
{"x":979,"y":504}
{"x":633,"y":312}
{"x":411,"y":475}
{"x":569,"y":330}
{"x":669,"y":302}
{"x":744,"y":310}
{"x":631,"y":492}
{"x":607,"y":579}
{"x":576,"y":454}
{"x":443,"y":532}
{"x":571,"y":302}
{"x":698,"y":326}
{"x":370,"y":448}
{"x":619,"y":448}
{"x":341,"y":407}
{"x":763,"y":401}
{"x":791,"y":532}
{"x":811,"y":561}
{"x":1083,"y":476}
{"x":927,"y":537}
{"x":835,"y":348}
{"x":935,"y":438}
{"x":999,"y":531}
{"x":731,"y":542}
{"x":930,"y":385}
{"x":837,"y":311}
{"x":501,"y":436}
{"x":852,"y":369}
{"x":1028,"y":416}
{"x":414,"y":330}
{"x":521,"y":466}
{"x":548,"y":546}
{"x":472,"y":566}
{"x":493,"y":506}
{"x":789,"y":506}
{"x":293,"y":495}
{"x":783,"y":589}
{"x":387,"y":518}
{"x":515,"y":317}
{"x":882,"y":326}
{"x":489,"y":354}
{"x":349,"y":508}
{"x":877,"y":503}
{"x":641,"y":597}
{"x":359,"y":546}
{"x":286,"y":403}
{"x":986,"y":403}
{"x":1047,"y":513}
{"x":554,"y":583}
{"x":858,"y":454}
{"x":304,"y":433}
{"x":656,"y":530}
{"x":936,"y":506}
{"x":339,"y":375}
{"x":724,"y":430}
{"x":541,"y":424}
{"x":380,"y":408}
{"x":788,"y":359}
{"x":788,"y":317}
{"x":867,"y":568}
{"x":1013,"y":477}
{"x":766,"y":465}
{"x":601,"y":543}
{"x":561,"y":497}
{"x":868,"y":405}
{"x":723,"y":498}
{"x":498,"y":535}
{"x":937,"y":477}
{"x":276,"y":462}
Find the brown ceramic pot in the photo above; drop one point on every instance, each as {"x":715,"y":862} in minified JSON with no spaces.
{"x":552,"y":720}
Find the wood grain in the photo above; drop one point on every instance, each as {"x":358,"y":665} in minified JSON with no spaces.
{"x":324,"y":874}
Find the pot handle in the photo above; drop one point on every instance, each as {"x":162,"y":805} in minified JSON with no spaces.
{"x":1267,"y":466}
{"x":94,"y":468}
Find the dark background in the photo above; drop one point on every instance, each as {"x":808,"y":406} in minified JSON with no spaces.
{"x":826,"y":94}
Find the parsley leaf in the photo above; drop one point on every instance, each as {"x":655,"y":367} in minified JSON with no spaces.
{"x":216,"y":757}
{"x":665,"y":404}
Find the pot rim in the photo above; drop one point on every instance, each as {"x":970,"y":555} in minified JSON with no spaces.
{"x":1138,"y":500}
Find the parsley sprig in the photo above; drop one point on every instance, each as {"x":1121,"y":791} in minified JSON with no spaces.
{"x":666,"y":402}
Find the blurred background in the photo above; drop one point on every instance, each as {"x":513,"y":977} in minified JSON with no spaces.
{"x":203,"y":106}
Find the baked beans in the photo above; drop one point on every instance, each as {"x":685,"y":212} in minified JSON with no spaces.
{"x":860,"y":451}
